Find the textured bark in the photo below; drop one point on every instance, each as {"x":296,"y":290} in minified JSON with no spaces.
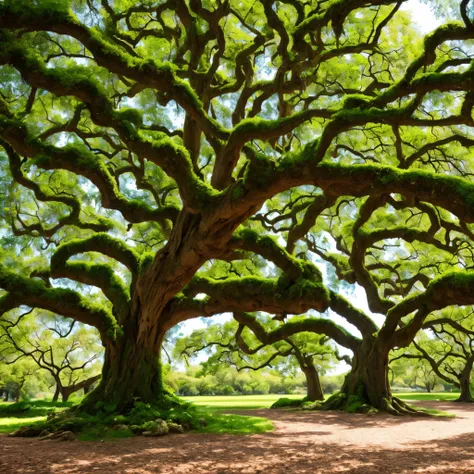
{"x":314,"y":391}
{"x":368,"y":384}
{"x":56,"y":393}
{"x":368,"y":378}
{"x":131,"y":373}
{"x":465,"y":382}
{"x":67,"y":391}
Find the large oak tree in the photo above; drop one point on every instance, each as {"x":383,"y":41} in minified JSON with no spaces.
{"x":185,"y":157}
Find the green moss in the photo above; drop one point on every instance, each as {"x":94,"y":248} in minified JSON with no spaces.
{"x":288,"y":402}
{"x":356,"y":101}
{"x":255,"y":126}
{"x":238,"y":191}
{"x":58,"y":10}
{"x":145,"y":261}
{"x":100,"y":242}
{"x":309,"y":289}
{"x":132,"y":115}
{"x":260,"y":172}
{"x":66,"y":301}
{"x":294,"y":159}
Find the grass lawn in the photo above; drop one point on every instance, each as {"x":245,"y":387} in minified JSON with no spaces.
{"x":239,"y":401}
{"x":26,"y":413}
{"x":437,"y":397}
{"x":7,"y":425}
{"x":265,"y":401}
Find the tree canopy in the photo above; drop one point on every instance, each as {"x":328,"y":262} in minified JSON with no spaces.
{"x":165,"y":160}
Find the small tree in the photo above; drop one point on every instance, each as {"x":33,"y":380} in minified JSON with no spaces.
{"x":450,"y":355}
{"x":67,"y":354}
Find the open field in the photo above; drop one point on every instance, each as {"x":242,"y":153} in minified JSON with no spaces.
{"x":239,"y":401}
{"x":265,"y":401}
{"x":302,"y":442}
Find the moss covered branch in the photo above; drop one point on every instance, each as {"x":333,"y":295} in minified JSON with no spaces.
{"x":68,"y":303}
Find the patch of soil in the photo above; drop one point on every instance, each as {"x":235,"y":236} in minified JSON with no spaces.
{"x":303,"y":442}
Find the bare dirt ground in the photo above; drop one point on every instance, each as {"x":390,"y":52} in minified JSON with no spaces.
{"x":303,"y":442}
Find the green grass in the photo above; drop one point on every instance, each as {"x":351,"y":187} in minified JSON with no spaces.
{"x":234,"y":424}
{"x":7,"y":425}
{"x":239,"y":401}
{"x":437,"y":397}
{"x":265,"y":401}
{"x":32,"y":408}
{"x":16,"y":415}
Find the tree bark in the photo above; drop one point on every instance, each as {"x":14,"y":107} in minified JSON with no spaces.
{"x":66,"y":392}
{"x":465,"y":383}
{"x":368,"y":379}
{"x":56,"y":393}
{"x":313,"y":384}
{"x":131,"y":373}
{"x":368,"y":383}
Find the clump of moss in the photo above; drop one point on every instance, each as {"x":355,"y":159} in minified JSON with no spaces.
{"x":171,"y":415}
{"x":289,"y":402}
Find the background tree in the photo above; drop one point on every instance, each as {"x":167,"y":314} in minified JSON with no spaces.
{"x":226,"y":346}
{"x":449,"y":353}
{"x":19,"y":381}
{"x":65,"y":353}
{"x":199,"y":380}
{"x":153,"y":149}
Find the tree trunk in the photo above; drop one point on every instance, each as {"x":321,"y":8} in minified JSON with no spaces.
{"x":367,"y":383}
{"x":465,"y":383}
{"x":368,"y":379}
{"x":56,"y":393}
{"x":131,"y":373}
{"x":314,"y":391}
{"x":85,"y":384}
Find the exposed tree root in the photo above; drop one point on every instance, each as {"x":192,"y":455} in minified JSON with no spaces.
{"x":464,"y":400}
{"x":359,"y":404}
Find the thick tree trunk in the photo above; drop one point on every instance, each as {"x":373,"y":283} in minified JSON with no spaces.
{"x":367,"y":384}
{"x":313,"y":384}
{"x":368,"y":379}
{"x":131,"y":373}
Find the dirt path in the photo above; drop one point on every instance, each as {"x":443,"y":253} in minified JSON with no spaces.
{"x":301,"y":443}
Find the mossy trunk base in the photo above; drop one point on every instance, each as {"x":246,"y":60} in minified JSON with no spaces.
{"x":366,"y":388}
{"x":131,"y":373}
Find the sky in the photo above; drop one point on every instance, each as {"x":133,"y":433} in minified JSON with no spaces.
{"x":426,"y":22}
{"x":422,"y":14}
